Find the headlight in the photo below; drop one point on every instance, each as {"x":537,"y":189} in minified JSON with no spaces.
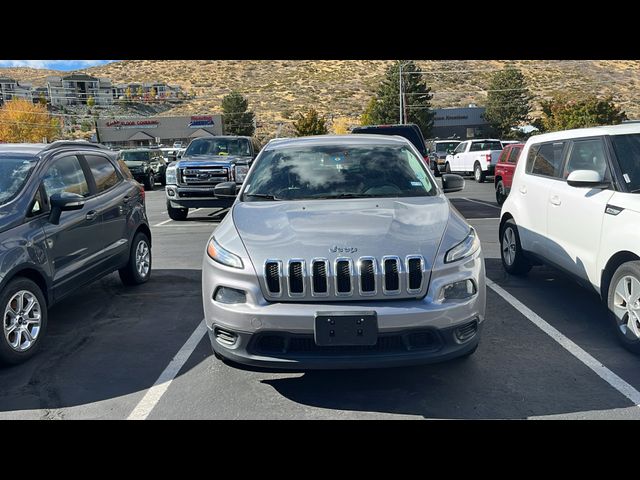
{"x":172,"y":175}
{"x":240,"y":172}
{"x":465,"y":248}
{"x":220,"y":255}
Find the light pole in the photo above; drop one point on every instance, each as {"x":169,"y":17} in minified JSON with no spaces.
{"x":400,"y":89}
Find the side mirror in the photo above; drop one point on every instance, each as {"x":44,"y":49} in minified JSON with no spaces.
{"x":452,"y":183}
{"x":586,"y":178}
{"x":225,"y":189}
{"x":63,"y":202}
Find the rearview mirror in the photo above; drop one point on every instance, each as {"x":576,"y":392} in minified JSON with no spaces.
{"x":586,"y":178}
{"x":63,"y":202}
{"x":225,"y":189}
{"x":452,"y":183}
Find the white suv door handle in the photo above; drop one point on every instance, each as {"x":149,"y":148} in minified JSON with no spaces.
{"x":555,"y":200}
{"x":523,"y":190}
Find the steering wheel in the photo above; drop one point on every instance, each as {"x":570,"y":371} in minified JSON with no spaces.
{"x":382,"y":188}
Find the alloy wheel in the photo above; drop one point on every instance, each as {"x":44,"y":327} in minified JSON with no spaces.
{"x":626,"y":306}
{"x":22,"y":320}
{"x":509,"y":246}
{"x":143,"y":258}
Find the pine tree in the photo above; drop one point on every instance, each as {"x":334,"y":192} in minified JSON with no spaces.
{"x":508,"y":102}
{"x":310,"y":123}
{"x":417,"y":98}
{"x":237,"y":120}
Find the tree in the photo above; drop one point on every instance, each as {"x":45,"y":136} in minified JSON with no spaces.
{"x":42,"y":99}
{"x":91,"y":102}
{"x":367,"y":116}
{"x":237,"y":120}
{"x":565,"y":112}
{"x":508,"y":102}
{"x":128,"y":94}
{"x":140,"y":92}
{"x":310,"y":123}
{"x":340,"y":125}
{"x":23,"y":121}
{"x":152,"y":93}
{"x":417,"y":96}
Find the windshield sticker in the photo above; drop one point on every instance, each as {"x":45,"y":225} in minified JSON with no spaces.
{"x":416,"y":184}
{"x":626,"y":178}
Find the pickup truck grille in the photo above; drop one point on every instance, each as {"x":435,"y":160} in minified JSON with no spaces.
{"x":345,"y":278}
{"x":203,"y":175}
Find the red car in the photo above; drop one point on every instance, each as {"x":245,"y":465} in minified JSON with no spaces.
{"x":504,"y":170}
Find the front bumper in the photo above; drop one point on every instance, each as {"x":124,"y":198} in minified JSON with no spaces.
{"x":195,"y":197}
{"x":281,"y":334}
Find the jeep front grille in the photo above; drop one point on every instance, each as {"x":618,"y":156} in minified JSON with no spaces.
{"x":345,"y":277}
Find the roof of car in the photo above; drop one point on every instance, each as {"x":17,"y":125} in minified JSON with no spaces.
{"x":622,"y":129}
{"x":360,"y":139}
{"x":33,"y":148}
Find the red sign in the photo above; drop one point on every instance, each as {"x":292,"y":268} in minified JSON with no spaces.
{"x":132,"y":123}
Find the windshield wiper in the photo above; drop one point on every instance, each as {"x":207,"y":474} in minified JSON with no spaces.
{"x":348,"y":195}
{"x":266,"y":196}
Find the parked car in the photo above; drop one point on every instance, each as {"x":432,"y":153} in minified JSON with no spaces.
{"x":475,"y":156}
{"x":410,"y":131}
{"x":147,"y":165}
{"x":342,"y":252}
{"x":69,"y":214}
{"x":207,"y":162}
{"x":576,"y":206}
{"x":438,"y":151}
{"x":505,"y":167}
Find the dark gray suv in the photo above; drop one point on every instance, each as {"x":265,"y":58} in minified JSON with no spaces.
{"x":70,"y":213}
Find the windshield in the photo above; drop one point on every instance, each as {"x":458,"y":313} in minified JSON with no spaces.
{"x":446,"y":146}
{"x":14,"y":171}
{"x":338,"y":171}
{"x":219,"y":146}
{"x":135,"y":156}
{"x":627,"y":148}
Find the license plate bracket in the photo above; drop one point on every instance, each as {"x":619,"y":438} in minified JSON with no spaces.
{"x":346,"y":328}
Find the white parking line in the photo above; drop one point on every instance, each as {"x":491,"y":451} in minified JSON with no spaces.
{"x":155,"y":393}
{"x":603,"y":372}
{"x":480,"y":202}
{"x":162,"y":223}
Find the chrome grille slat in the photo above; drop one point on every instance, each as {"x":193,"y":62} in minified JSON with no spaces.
{"x":362,"y":277}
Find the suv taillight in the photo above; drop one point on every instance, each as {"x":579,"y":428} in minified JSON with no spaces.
{"x":488,"y":155}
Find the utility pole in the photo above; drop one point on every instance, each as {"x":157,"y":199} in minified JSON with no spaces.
{"x":400,"y":89}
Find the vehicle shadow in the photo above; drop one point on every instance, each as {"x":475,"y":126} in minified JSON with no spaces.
{"x":106,"y":341}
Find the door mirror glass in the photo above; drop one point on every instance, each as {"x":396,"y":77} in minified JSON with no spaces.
{"x":452,"y":183}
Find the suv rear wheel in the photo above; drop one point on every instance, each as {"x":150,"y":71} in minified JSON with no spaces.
{"x":623,"y":301}
{"x":501,"y":196}
{"x":177,"y":213}
{"x":478,"y":173}
{"x":24,"y":320}
{"x":513,"y":258}
{"x":138,"y":268}
{"x":150,"y":182}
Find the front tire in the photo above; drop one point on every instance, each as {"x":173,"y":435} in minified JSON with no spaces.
{"x":478,"y":173}
{"x":24,"y":320}
{"x":623,"y":300}
{"x":138,"y":268}
{"x":513,"y":258}
{"x":501,"y":196}
{"x":447,"y":168}
{"x":150,"y":182}
{"x":177,"y":214}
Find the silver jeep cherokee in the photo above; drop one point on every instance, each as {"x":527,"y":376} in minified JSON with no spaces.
{"x":342,"y":252}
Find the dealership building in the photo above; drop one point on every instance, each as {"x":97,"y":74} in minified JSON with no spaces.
{"x":145,"y":131}
{"x":461,"y":123}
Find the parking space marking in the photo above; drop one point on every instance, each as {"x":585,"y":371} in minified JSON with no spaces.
{"x":155,"y":393}
{"x":603,"y":372}
{"x":162,"y":223}
{"x":486,"y":204}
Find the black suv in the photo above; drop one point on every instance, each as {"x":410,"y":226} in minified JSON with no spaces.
{"x":147,"y":165}
{"x":70,"y":213}
{"x":410,"y":131}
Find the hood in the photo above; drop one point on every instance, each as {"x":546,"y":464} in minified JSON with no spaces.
{"x":221,"y":160}
{"x":337,"y":228}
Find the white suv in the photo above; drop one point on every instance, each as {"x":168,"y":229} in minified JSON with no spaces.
{"x":575,"y":205}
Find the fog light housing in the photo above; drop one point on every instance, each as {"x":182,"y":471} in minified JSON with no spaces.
{"x":458,"y":290}
{"x":229,"y":295}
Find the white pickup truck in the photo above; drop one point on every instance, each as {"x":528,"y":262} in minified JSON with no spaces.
{"x":474,"y":156}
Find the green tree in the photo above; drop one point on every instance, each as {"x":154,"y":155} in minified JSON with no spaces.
{"x":128,"y":94}
{"x":565,"y":112}
{"x":367,"y":115}
{"x":140,"y":92}
{"x":237,"y":120}
{"x":91,"y":102}
{"x":310,"y":123}
{"x":508,"y":103}
{"x":417,"y":98}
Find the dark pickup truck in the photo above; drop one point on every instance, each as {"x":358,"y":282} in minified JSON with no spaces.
{"x":206,"y":163}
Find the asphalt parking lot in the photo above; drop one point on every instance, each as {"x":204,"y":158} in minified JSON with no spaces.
{"x":114,"y":353}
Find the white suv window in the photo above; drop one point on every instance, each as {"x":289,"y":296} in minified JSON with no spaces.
{"x":587,"y":155}
{"x":460,"y":148}
{"x":545,"y":159}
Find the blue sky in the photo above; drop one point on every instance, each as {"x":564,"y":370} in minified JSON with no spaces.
{"x":54,"y":64}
